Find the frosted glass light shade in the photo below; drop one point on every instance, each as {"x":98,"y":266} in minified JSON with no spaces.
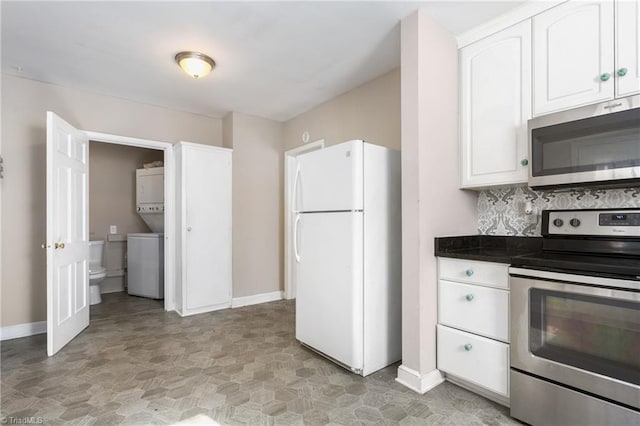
{"x":195,"y":64}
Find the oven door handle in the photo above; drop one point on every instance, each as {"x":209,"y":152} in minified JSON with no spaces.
{"x":574,"y":278}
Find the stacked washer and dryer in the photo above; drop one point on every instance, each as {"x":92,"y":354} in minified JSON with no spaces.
{"x":145,"y":251}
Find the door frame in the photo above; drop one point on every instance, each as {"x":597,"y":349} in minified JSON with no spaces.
{"x":289,"y":170}
{"x":169,"y":207}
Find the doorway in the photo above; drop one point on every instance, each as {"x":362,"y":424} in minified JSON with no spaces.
{"x":169,"y":212}
{"x":289,"y":214}
{"x":115,"y":222}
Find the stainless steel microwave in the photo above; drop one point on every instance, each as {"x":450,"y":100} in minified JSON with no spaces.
{"x":592,"y":145}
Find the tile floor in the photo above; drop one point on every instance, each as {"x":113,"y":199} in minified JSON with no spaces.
{"x":120,"y":303}
{"x":236,"y":366}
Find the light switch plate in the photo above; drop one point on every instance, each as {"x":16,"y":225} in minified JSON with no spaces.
{"x":113,"y":229}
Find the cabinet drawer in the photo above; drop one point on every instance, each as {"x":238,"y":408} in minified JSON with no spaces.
{"x":481,"y":361}
{"x":475,"y":272}
{"x":481,"y":310}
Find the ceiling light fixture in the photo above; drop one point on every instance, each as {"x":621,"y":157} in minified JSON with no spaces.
{"x":195,"y":64}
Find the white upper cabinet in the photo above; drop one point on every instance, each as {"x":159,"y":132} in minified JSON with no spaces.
{"x":627,"y":67}
{"x":585,"y":52}
{"x":495,"y":106}
{"x":573,"y":56}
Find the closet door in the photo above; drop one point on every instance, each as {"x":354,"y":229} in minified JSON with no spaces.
{"x":206,"y":228}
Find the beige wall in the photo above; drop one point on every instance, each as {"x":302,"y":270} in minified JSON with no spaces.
{"x":24,"y":104}
{"x":257,"y":203}
{"x":112,"y":187}
{"x":432,"y":204}
{"x":370,"y":112}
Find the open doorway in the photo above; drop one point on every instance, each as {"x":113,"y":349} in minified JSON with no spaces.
{"x":126,"y":230}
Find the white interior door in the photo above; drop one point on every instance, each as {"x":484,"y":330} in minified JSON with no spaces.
{"x":208,"y":263}
{"x":67,"y":232}
{"x":329,"y":304}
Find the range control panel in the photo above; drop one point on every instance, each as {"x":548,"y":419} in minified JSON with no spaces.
{"x":620,"y":223}
{"x":619,"y":219}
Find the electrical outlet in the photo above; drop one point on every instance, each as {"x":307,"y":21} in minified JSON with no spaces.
{"x":113,"y":229}
{"x":531,"y":219}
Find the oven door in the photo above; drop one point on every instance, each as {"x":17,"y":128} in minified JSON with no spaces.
{"x":577,"y":334}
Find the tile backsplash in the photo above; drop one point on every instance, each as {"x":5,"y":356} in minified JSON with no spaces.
{"x":501,"y":210}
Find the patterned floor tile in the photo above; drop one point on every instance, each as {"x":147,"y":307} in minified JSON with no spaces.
{"x":233,"y":367}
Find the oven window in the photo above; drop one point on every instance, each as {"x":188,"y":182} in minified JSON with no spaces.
{"x":597,"y":334}
{"x":607,"y":142}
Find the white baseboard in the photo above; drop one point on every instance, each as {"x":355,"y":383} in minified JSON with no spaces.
{"x":255,"y":299}
{"x":23,"y":330}
{"x":420,"y":383}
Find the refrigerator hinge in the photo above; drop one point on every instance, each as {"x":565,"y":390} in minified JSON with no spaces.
{"x":358,"y":371}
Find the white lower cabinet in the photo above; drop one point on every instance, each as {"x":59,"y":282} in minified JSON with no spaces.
{"x":473,"y":325}
{"x":481,"y":361}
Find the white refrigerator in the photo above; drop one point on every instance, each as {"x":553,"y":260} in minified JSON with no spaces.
{"x":347,"y":247}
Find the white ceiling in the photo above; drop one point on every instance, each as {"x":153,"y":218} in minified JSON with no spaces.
{"x":274,"y":59}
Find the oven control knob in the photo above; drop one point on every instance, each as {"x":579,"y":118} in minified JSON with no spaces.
{"x":558,"y":222}
{"x":574,"y":222}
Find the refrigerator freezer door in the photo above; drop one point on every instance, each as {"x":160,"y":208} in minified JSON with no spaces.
{"x":329,"y":303}
{"x":330,"y":179}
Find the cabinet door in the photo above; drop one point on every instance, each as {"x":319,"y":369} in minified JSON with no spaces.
{"x":627,"y":47}
{"x":206,"y":227}
{"x":573,"y":56}
{"x":495,"y":107}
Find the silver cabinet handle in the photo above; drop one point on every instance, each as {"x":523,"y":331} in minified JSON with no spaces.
{"x":469,"y":272}
{"x":189,"y":229}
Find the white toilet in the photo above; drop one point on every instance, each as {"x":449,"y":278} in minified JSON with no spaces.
{"x":97,"y":272}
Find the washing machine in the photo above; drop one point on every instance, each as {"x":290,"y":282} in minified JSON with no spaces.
{"x":145,"y":265}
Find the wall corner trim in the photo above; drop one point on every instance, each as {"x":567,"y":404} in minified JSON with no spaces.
{"x":256,"y":299}
{"x":23,"y":330}
{"x":420,"y":383}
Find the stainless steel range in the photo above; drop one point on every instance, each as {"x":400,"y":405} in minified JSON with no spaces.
{"x":575,"y":321}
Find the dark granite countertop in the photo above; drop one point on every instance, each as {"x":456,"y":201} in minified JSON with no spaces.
{"x":489,"y":248}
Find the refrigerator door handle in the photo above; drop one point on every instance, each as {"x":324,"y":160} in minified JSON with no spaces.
{"x":295,"y":189}
{"x":295,"y":239}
